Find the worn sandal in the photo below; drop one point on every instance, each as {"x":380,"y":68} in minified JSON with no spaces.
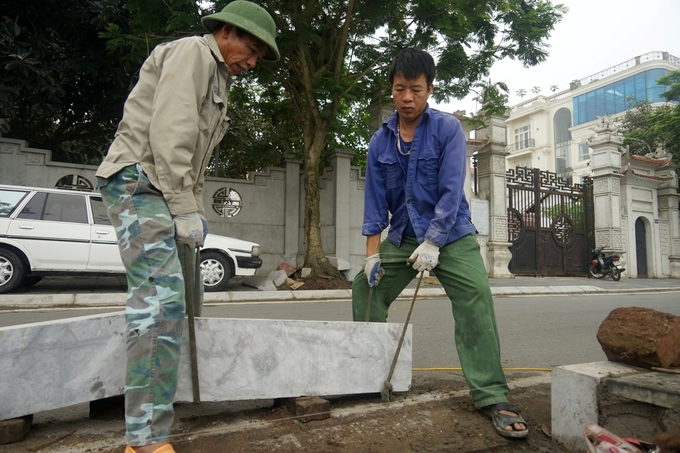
{"x":500,"y":421}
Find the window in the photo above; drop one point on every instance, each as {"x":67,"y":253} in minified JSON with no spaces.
{"x":562,"y":139}
{"x":613,"y":98}
{"x":34,"y":208}
{"x":99,"y":211}
{"x":55,"y":207}
{"x":583,"y":152}
{"x":522,"y":138}
{"x":561,"y":125}
{"x":9,"y":199}
{"x":562,"y":159}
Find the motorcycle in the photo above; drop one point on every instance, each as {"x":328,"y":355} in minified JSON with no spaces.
{"x":602,"y":265}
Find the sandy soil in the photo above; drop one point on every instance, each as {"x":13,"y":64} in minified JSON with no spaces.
{"x":436,"y":415}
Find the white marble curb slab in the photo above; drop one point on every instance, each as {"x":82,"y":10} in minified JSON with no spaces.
{"x":574,"y":402}
{"x":61,"y":363}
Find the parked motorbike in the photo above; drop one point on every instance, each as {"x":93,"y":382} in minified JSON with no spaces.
{"x":602,"y":265}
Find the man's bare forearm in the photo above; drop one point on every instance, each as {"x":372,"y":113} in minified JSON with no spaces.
{"x":372,"y":245}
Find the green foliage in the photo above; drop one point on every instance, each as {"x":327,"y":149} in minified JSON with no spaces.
{"x":570,"y":207}
{"x":672,"y":82}
{"x":494,"y":100}
{"x":68,"y":67}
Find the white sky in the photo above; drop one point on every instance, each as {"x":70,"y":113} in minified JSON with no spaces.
{"x":594,"y":35}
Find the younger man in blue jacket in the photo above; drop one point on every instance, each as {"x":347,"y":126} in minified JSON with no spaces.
{"x":415,"y":171}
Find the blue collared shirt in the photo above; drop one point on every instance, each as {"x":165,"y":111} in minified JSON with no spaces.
{"x":429,"y":192}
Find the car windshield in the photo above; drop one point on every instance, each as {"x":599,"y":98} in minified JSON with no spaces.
{"x":9,"y":199}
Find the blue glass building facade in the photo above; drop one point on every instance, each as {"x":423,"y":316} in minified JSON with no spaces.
{"x":614,"y":97}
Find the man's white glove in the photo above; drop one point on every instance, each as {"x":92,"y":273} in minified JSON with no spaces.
{"x":188,"y":229}
{"x":372,"y":270}
{"x":425,"y":257}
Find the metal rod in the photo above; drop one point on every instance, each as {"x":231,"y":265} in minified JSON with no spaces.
{"x":386,"y":393}
{"x":189,"y":303}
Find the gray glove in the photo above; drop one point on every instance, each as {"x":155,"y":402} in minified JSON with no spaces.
{"x":188,"y":229}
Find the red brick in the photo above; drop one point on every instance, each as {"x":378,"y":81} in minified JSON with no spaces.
{"x":15,"y":429}
{"x":311,"y":408}
{"x":641,"y":337}
{"x":287,"y":267}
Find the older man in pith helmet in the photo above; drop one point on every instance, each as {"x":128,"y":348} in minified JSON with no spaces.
{"x":152,"y":183}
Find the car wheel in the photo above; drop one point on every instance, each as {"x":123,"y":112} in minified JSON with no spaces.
{"x":31,"y":280}
{"x":616,"y":274}
{"x":595,"y":272}
{"x":215,"y":270}
{"x":11,"y":271}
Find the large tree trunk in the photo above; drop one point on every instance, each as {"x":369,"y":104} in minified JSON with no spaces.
{"x":315,"y":257}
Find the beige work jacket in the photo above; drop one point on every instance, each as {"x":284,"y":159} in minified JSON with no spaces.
{"x":172,"y":120}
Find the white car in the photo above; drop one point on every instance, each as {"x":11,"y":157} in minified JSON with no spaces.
{"x":62,"y":232}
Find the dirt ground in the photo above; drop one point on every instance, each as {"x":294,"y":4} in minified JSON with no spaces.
{"x":436,"y":415}
{"x":317,"y":283}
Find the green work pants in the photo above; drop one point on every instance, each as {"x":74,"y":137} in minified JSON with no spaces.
{"x":462,"y":274}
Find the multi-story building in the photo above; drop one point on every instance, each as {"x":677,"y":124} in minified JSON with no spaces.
{"x":551,"y":132}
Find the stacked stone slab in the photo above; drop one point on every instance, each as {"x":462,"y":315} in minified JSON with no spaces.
{"x":60,"y":363}
{"x":641,"y":337}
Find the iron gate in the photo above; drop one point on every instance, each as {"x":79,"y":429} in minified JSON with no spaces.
{"x":550,"y":223}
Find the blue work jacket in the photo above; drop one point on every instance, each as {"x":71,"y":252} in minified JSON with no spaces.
{"x":429,"y":192}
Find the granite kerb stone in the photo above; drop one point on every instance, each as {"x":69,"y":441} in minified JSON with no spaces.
{"x":321,"y":295}
{"x":99,"y":299}
{"x":55,"y":364}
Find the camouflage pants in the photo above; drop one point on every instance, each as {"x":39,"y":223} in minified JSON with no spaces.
{"x":155,"y":308}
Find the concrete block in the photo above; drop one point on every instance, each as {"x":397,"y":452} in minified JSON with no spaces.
{"x":309,"y":408}
{"x":657,"y":389}
{"x":277,"y":277}
{"x":305,"y":272}
{"x":349,"y":274}
{"x":339,"y":263}
{"x":640,"y":337}
{"x":15,"y":429}
{"x":574,"y":399}
{"x":60,"y":363}
{"x":259,"y":283}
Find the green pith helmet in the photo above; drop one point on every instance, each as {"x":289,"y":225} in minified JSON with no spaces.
{"x":250,"y":18}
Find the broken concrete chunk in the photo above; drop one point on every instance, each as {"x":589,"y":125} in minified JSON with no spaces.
{"x":278,"y":277}
{"x":640,"y":337}
{"x":339,"y":263}
{"x":259,"y":283}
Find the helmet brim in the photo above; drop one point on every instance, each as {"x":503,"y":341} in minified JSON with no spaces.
{"x":213,"y":21}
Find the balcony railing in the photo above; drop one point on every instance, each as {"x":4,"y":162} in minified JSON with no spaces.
{"x":522,"y":144}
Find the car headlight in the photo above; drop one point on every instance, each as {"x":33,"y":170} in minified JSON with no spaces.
{"x":255,"y":251}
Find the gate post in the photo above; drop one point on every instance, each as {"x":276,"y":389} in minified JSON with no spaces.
{"x":492,"y":187}
{"x":669,"y":208}
{"x":606,"y":167}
